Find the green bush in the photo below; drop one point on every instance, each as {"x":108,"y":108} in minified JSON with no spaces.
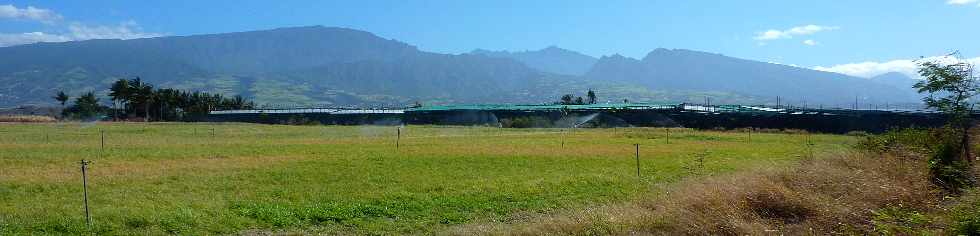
{"x":912,"y":139}
{"x":948,"y":171}
{"x":526,"y":122}
{"x":966,"y":217}
{"x":941,"y":145}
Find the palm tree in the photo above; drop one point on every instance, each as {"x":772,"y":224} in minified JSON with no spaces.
{"x":120,"y":93}
{"x":62,"y":97}
{"x":591,"y":96}
{"x":141,"y":94}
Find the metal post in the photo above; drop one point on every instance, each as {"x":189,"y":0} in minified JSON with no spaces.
{"x":637,"y":160}
{"x":88,"y":216}
{"x":398,"y":138}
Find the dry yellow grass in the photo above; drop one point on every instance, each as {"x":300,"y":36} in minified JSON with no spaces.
{"x":838,"y":194}
{"x":26,"y":119}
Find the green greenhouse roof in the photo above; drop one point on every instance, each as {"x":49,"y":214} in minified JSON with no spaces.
{"x":545,"y":107}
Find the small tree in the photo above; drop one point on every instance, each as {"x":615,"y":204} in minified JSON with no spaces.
{"x":567,"y":99}
{"x":86,"y":106}
{"x":949,"y":87}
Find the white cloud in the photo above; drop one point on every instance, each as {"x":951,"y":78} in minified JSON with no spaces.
{"x":960,"y":2}
{"x":125,"y":30}
{"x":810,"y":42}
{"x":32,"y":37}
{"x":78,"y":31}
{"x":872,"y":68}
{"x":773,"y":34}
{"x":30,"y":13}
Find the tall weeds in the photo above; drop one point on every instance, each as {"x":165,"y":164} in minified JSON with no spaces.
{"x":841,"y":193}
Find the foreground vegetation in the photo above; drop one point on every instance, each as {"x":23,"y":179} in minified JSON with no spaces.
{"x":158,"y":178}
{"x":886,"y":185}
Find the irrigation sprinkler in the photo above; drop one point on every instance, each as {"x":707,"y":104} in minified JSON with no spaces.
{"x":809,"y":145}
{"x":701,"y":160}
{"x":88,"y":216}
{"x":637,"y":159}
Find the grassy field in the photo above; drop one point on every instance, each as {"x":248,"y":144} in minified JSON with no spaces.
{"x":179,"y":178}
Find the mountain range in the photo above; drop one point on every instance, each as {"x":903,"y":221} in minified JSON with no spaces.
{"x":339,"y":66}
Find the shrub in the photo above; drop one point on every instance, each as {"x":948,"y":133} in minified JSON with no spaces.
{"x":526,"y":122}
{"x":966,"y":217}
{"x":941,"y":145}
{"x":908,"y":139}
{"x":27,"y":118}
{"x":947,"y":170}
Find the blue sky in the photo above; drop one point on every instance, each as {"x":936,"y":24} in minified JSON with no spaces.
{"x":860,"y":34}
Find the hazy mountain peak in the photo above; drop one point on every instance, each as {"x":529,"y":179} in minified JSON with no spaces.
{"x":549,"y":59}
{"x":663,"y":52}
{"x":616,"y":56}
{"x":895,"y":79}
{"x":681,"y":69}
{"x":892,"y":75}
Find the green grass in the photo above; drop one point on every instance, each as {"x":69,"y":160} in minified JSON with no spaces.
{"x":178,"y":179}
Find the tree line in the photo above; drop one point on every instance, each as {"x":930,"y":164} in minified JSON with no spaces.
{"x":569,"y":99}
{"x":134,"y":98}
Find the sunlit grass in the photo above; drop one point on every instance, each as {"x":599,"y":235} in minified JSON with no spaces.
{"x":179,"y":178}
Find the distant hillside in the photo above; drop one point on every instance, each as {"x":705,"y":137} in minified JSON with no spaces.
{"x":291,"y":65}
{"x":692,"y":70}
{"x":337,"y":66}
{"x":551,"y":59}
{"x":895,"y":79}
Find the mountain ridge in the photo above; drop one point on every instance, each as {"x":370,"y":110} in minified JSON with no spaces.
{"x":340,"y":66}
{"x":551,"y":59}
